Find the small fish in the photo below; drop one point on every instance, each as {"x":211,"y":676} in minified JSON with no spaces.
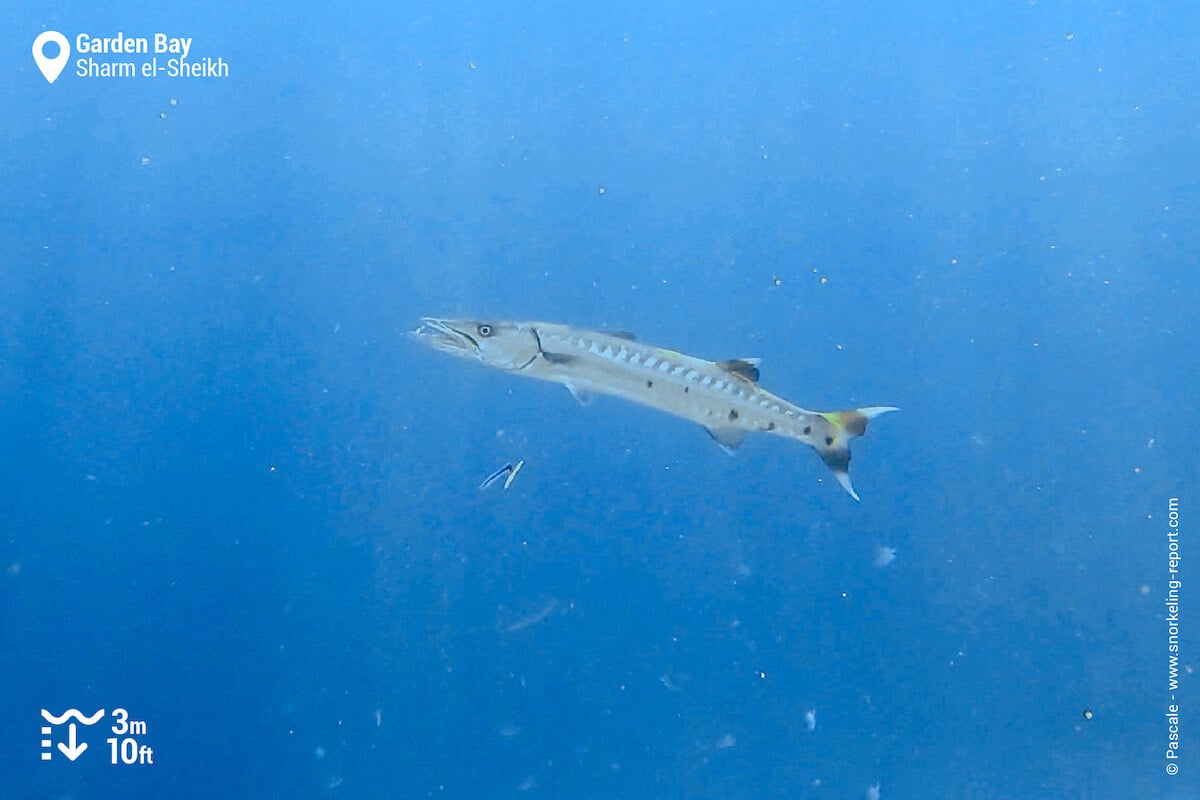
{"x":512,"y":474}
{"x":503,"y":472}
{"x":508,"y":472}
{"x":722,"y":396}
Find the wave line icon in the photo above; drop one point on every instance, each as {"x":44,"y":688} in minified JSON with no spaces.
{"x":72,"y":713}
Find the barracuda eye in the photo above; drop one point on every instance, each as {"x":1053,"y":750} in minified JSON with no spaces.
{"x":485,"y":330}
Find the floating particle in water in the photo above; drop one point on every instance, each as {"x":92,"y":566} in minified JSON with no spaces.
{"x":162,"y":115}
{"x":810,"y":719}
{"x":144,"y":160}
{"x":173,"y":102}
{"x":873,"y":792}
{"x":727,"y":741}
{"x":601,"y":190}
{"x":534,"y":618}
{"x":1070,"y":37}
{"x":1087,"y":714}
{"x":883,"y":556}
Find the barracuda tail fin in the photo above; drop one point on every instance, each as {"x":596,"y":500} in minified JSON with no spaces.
{"x":843,"y":426}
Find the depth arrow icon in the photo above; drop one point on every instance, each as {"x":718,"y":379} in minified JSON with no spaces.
{"x":72,"y":750}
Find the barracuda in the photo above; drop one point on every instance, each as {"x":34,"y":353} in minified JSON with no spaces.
{"x":722,"y":396}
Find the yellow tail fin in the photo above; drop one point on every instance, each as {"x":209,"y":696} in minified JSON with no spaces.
{"x":835,"y":448}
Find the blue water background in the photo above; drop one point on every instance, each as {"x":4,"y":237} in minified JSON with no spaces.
{"x":238,"y":501}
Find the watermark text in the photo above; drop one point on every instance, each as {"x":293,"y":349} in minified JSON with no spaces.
{"x":1172,"y":602}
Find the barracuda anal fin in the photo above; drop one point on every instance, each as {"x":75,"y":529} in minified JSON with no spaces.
{"x":729,"y":439}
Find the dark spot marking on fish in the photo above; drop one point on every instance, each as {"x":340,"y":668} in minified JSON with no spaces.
{"x":649,"y":384}
{"x":837,"y":460}
{"x":686,"y":389}
{"x":626,"y":335}
{"x":807,"y":430}
{"x":557,"y":358}
{"x":828,"y":441}
{"x":732,"y":414}
{"x":770,"y":426}
{"x":855,"y":423}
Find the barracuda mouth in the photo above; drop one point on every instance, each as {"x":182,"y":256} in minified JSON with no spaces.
{"x":440,"y":335}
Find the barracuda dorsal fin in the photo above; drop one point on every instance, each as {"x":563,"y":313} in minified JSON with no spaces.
{"x":744,"y":368}
{"x":728,"y":438}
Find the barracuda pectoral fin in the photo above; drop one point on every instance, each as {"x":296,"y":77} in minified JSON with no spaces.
{"x":558,"y":359}
{"x":728,"y":438}
{"x":582,"y":396}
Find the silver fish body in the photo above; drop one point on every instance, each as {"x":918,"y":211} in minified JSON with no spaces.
{"x":722,"y":396}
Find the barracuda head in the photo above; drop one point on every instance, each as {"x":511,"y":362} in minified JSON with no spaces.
{"x":503,"y":345}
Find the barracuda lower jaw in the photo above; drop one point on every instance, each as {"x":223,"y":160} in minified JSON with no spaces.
{"x":442,"y":337}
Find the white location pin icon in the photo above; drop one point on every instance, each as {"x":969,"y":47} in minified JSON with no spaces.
{"x":51,"y":67}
